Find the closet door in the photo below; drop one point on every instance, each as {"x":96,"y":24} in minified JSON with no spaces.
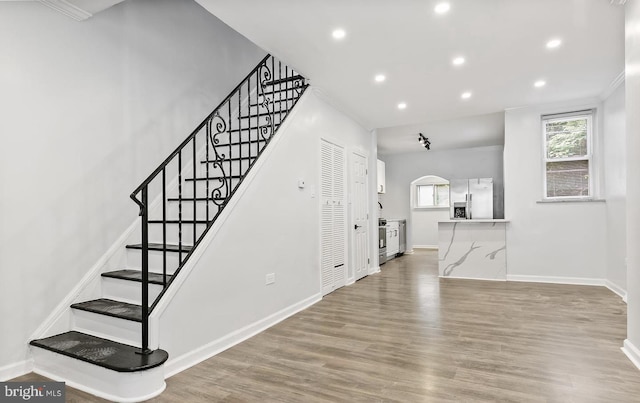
{"x":332,"y":216}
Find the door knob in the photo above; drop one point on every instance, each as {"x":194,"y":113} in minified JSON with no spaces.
{"x":357,"y":226}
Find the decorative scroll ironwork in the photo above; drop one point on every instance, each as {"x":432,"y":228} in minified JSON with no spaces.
{"x":231,"y":160}
{"x":215,"y":127}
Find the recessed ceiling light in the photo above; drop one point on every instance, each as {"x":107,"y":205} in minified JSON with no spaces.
{"x":380,"y":78}
{"x":540,"y":83}
{"x":402,"y":105}
{"x":442,"y":8}
{"x":458,"y":61}
{"x":553,"y":43}
{"x":466,"y":95}
{"x":338,"y":34}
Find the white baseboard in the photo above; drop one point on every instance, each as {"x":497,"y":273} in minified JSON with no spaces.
{"x":425,"y":247}
{"x":616,"y":289}
{"x":556,"y":280}
{"x":198,"y":355}
{"x":632,"y":352}
{"x":15,"y":370}
{"x":374,"y":270}
{"x":473,"y":278}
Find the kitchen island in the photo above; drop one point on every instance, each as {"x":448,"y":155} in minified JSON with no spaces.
{"x":474,"y":249}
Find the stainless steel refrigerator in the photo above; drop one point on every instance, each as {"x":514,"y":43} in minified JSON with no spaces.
{"x":471,"y":198}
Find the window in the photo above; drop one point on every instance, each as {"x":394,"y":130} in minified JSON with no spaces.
{"x":432,"y":196}
{"x":567,"y":155}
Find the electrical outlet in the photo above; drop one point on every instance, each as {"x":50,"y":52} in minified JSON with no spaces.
{"x":271,"y":278}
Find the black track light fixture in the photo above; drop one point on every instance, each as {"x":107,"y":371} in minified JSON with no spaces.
{"x":424,"y":141}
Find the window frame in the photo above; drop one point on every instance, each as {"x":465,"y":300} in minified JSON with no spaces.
{"x":589,"y":115}
{"x":416,"y":201}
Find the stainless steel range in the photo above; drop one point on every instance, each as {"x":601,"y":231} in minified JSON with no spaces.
{"x":382,"y":241}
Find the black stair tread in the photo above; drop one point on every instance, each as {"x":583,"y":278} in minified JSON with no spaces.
{"x":184,"y":221}
{"x":175,"y":199}
{"x":285,"y":80}
{"x":244,"y":130}
{"x":214,"y":177}
{"x":158,"y":246}
{"x":276,"y":101}
{"x":101,"y":352}
{"x":275,"y":113}
{"x":229,"y":159}
{"x":136,"y":275}
{"x":109,"y":307}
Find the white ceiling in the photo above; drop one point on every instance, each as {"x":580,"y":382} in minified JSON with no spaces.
{"x":503,"y":42}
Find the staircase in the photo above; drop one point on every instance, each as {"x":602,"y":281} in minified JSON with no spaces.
{"x":110,"y":350}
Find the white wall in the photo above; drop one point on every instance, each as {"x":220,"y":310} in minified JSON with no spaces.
{"x":88,"y":110}
{"x":615,"y":186}
{"x":402,"y":169}
{"x":562,"y":240}
{"x":632,"y":104}
{"x":274,"y":228}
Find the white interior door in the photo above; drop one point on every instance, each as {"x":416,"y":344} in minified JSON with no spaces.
{"x":332,"y":216}
{"x":360,"y":214}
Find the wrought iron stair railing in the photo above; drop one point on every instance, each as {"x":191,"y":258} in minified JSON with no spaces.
{"x":209,"y":166}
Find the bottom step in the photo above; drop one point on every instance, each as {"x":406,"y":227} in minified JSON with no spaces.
{"x":104,"y":368}
{"x":102,"y":352}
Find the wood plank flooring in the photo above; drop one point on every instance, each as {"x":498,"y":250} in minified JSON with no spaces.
{"x":407,"y":336}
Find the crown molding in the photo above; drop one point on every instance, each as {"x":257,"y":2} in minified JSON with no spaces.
{"x":613,"y":86}
{"x":67,"y":9}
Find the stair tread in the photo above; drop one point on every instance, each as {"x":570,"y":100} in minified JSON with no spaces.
{"x":183,"y":221}
{"x":276,"y":101}
{"x":230,"y":159}
{"x":214,"y":177}
{"x":110,"y":307}
{"x":158,"y":246}
{"x":101,"y":352}
{"x":284,"y":80}
{"x":136,"y":275}
{"x":175,"y":199}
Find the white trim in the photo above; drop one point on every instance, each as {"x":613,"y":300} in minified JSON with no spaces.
{"x":91,"y":275}
{"x":374,"y":270}
{"x":473,"y":278}
{"x":179,"y":364}
{"x":556,"y":280}
{"x":616,"y":289}
{"x":632,"y":352}
{"x":410,"y":251}
{"x":186,"y":270}
{"x":613,"y":86}
{"x":423,"y":247}
{"x":68,"y":9}
{"x":15,"y":370}
{"x":101,"y":382}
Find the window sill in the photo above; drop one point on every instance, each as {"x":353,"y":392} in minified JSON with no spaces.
{"x":432,"y":208}
{"x":571,"y":201}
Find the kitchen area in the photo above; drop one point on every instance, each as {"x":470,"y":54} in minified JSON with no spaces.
{"x":465,"y":218}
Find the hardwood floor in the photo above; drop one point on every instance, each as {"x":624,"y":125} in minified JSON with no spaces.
{"x":405,"y":335}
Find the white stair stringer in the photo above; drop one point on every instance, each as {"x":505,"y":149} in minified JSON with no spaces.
{"x":102,"y":382}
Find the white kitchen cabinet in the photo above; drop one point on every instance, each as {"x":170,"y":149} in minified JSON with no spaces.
{"x":393,"y":238}
{"x":382,"y":186}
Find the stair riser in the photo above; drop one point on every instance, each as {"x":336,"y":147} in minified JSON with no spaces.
{"x":276,"y":106}
{"x":105,"y":383}
{"x":201,"y":188}
{"x":155,"y":232}
{"x":279,"y":95}
{"x":127,"y":291}
{"x":233,"y":167}
{"x":107,"y":327}
{"x":155,"y":260}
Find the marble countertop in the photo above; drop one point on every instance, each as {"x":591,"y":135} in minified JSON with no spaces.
{"x":475,"y":221}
